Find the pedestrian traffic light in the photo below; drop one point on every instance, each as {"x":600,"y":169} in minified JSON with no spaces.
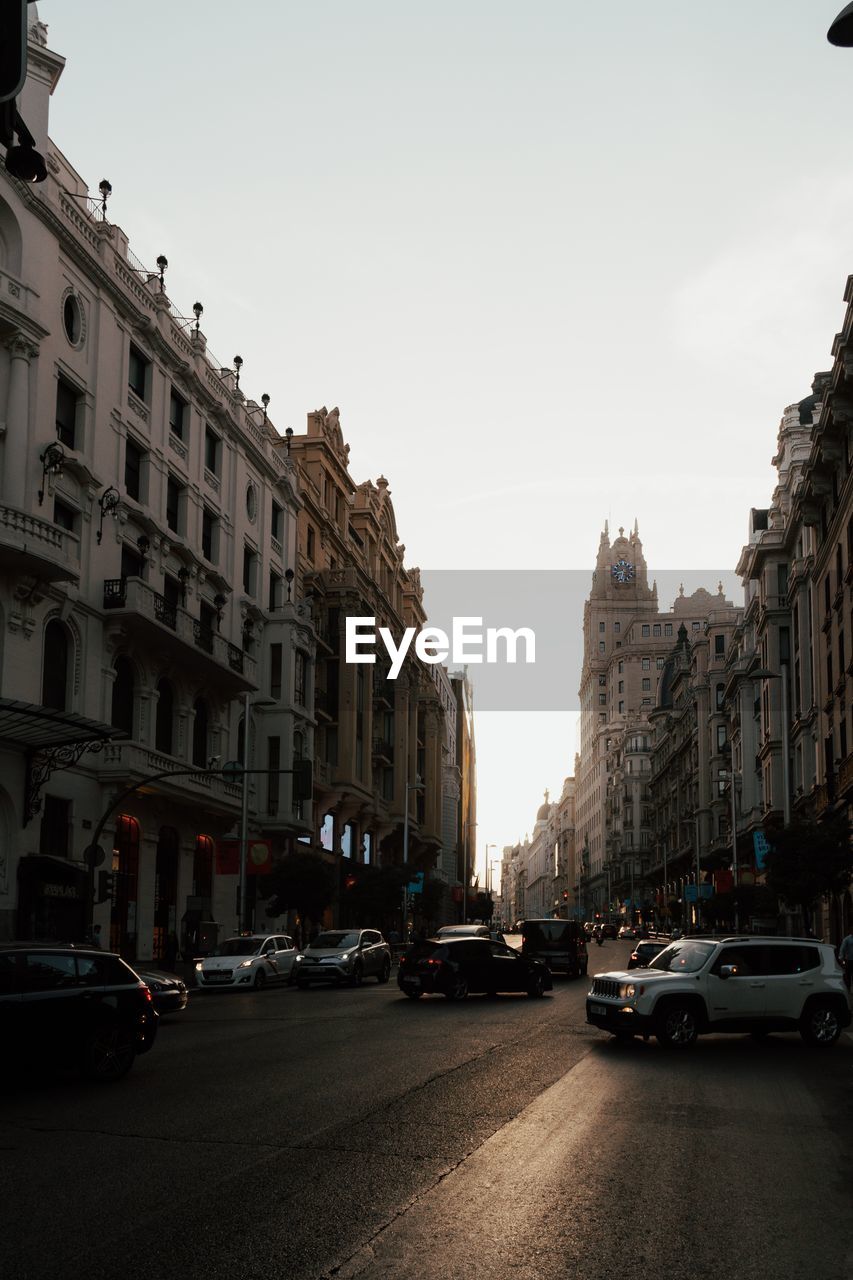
{"x":13,"y":48}
{"x":106,"y":886}
{"x":303,"y":779}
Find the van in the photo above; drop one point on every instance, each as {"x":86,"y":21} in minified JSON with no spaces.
{"x":560,"y":943}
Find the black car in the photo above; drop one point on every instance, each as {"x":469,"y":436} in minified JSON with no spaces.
{"x":453,"y":967}
{"x":560,"y":944}
{"x":168,"y":992}
{"x":73,"y":1007}
{"x":645,"y":952}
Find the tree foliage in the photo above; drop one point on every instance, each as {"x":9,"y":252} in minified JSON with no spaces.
{"x":301,"y":881}
{"x":808,"y":859}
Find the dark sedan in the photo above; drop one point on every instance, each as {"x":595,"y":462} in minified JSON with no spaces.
{"x":454,"y":967}
{"x":168,"y":992}
{"x":645,"y":952}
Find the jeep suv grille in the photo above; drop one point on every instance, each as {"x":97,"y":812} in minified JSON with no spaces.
{"x":605,"y":987}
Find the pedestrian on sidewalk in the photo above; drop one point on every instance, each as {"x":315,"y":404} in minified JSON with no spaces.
{"x":845,"y":956}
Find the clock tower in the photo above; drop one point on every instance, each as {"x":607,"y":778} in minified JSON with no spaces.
{"x":620,"y":593}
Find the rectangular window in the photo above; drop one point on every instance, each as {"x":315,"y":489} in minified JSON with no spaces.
{"x":647,"y":685}
{"x":656,"y":629}
{"x":719,"y":645}
{"x":173,"y":504}
{"x":209,"y":535}
{"x":667,"y":628}
{"x":659,"y":663}
{"x":249,"y":565}
{"x":646,"y":631}
{"x":617,"y":627}
{"x":64,"y":516}
{"x":601,"y":627}
{"x":621,"y":686}
{"x":133,"y":464}
{"x":721,"y":737}
{"x":300,"y":667}
{"x":621,"y":708}
{"x":275,"y":671}
{"x":602,"y":647}
{"x":602,"y":699}
{"x":310,"y":547}
{"x":137,"y":373}
{"x":66,"y":412}
{"x":211,"y":451}
{"x":273,"y":764}
{"x":602,"y":682}
{"x":696,"y":625}
{"x":276,"y":522}
{"x":177,"y":414}
{"x":647,"y":662}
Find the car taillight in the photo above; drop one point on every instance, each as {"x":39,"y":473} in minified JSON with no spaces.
{"x":403,"y":961}
{"x":434,"y":964}
{"x":145,"y":992}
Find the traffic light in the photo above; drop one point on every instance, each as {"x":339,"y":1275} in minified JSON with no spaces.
{"x":565,"y":895}
{"x":106,"y":886}
{"x":13,"y":48}
{"x":303,"y":779}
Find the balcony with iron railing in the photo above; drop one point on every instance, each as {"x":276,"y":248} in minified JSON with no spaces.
{"x":121,"y":761}
{"x":153,"y":614}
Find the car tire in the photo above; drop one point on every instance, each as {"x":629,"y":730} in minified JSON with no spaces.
{"x":385,"y":972}
{"x":820,"y":1025}
{"x":357,"y":976}
{"x":109,"y":1053}
{"x":260,"y":981}
{"x":677,"y":1026}
{"x":537,"y":987}
{"x":459,"y":990}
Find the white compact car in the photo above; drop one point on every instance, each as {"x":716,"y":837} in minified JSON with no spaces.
{"x":249,"y":961}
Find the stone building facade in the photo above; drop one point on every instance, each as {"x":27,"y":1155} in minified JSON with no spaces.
{"x":147,"y":525}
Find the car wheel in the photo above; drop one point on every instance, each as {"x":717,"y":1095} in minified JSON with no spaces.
{"x":820,"y":1025}
{"x":459,"y":990}
{"x":357,"y":976}
{"x":109,"y":1052}
{"x":678,"y":1026}
{"x":260,"y":981}
{"x":385,"y":972}
{"x":537,"y":986}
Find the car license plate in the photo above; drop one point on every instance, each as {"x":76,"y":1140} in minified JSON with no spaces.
{"x":412,"y":982}
{"x":600,"y":1009}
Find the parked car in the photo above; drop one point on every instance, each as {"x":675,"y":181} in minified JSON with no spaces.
{"x":248,"y":961}
{"x":561,"y":944}
{"x":644,"y":953}
{"x":168,"y":992}
{"x":74,"y":1006}
{"x":746,"y":984}
{"x":344,"y":955}
{"x":463,"y":931}
{"x":453,"y":967}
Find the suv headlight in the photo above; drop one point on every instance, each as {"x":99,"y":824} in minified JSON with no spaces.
{"x":626,"y":990}
{"x":345,"y":957}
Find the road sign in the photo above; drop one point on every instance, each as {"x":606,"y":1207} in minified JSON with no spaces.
{"x":94,"y":855}
{"x":416,"y":885}
{"x":761,"y":847}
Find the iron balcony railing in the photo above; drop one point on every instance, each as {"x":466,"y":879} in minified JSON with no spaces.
{"x":203,"y":636}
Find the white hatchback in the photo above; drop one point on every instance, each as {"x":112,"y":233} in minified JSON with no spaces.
{"x":249,"y":961}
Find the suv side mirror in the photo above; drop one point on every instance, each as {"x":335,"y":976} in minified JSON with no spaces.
{"x":728,"y":971}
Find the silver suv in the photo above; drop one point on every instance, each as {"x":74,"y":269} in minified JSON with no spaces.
{"x":344,"y":955}
{"x":703,"y":985}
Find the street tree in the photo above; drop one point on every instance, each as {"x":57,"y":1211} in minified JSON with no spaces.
{"x":301,"y":882}
{"x":808,"y":859}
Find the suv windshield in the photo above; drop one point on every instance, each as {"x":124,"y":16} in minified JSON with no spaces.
{"x":237,"y":947}
{"x":683,"y":957}
{"x":334,"y":941}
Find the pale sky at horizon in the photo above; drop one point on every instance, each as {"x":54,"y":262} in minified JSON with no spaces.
{"x":556,"y":262}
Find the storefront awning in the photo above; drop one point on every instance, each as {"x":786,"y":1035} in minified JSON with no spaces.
{"x":29,"y":725}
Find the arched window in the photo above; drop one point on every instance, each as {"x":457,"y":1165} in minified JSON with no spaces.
{"x":54,"y":685}
{"x":200,"y":733}
{"x":165,"y":717}
{"x":123,"y":690}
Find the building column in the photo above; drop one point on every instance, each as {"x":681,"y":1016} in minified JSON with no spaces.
{"x":16,"y":462}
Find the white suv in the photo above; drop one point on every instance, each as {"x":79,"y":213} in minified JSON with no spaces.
{"x":702,"y":985}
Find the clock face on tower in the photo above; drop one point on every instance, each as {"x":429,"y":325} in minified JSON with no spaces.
{"x":622,"y":571}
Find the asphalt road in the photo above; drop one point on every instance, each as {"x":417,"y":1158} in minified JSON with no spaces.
{"x":357,"y":1133}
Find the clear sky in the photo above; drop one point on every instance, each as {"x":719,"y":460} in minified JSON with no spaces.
{"x":555,"y":261}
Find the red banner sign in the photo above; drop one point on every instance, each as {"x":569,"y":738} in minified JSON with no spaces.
{"x":258,"y":857}
{"x":228,"y":857}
